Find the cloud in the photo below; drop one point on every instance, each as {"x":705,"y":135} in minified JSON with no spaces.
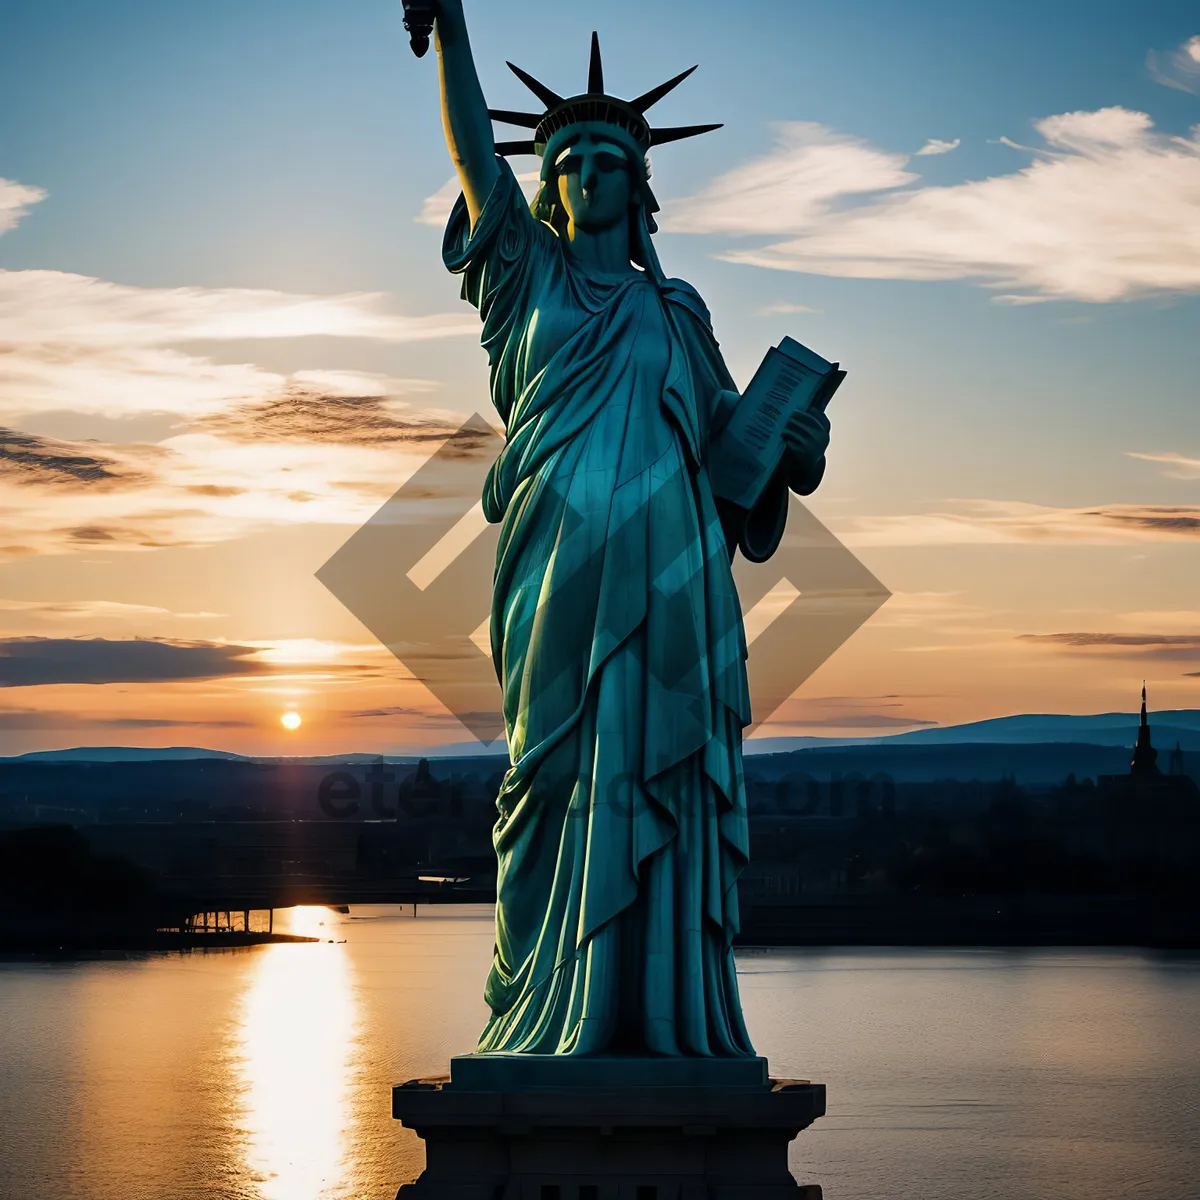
{"x":999,"y":522}
{"x":1178,"y":466}
{"x":305,"y":413}
{"x":44,"y":661}
{"x":96,"y":610}
{"x":792,"y":188}
{"x":15,"y":201}
{"x":944,"y":611}
{"x":427,"y":716}
{"x":1106,"y":211}
{"x":1159,"y":647}
{"x":883,"y":700}
{"x":1180,"y":69}
{"x":37,"y":661}
{"x":27,"y":459}
{"x":1191,"y":641}
{"x":854,"y":721}
{"x":938,"y":146}
{"x":305,"y":458}
{"x":436,"y":209}
{"x":24,"y":719}
{"x":218,"y":450}
{"x":1166,"y":620}
{"x":214,"y":489}
{"x":246,"y":449}
{"x":784,"y":307}
{"x":85,"y":345}
{"x":57,"y":308}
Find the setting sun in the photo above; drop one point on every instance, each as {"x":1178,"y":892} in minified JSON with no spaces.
{"x":290,"y":719}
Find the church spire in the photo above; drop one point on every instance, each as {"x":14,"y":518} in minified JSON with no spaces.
{"x":1144,"y":754}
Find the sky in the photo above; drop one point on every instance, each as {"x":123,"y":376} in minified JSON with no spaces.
{"x":227,"y":338}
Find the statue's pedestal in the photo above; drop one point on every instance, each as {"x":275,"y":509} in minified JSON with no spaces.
{"x":537,"y":1127}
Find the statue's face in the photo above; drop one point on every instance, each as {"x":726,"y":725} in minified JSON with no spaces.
{"x":594,"y":183}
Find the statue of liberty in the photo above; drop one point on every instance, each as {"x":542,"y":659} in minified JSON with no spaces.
{"x":615,"y":630}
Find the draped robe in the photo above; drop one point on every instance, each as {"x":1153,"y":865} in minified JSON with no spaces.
{"x":618,"y":643}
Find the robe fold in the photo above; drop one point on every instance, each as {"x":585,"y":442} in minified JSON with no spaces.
{"x":618,"y":643}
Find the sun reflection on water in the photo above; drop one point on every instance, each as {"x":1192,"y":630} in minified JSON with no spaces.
{"x":296,"y":1039}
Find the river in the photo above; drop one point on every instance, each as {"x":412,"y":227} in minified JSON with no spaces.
{"x":265,"y":1073}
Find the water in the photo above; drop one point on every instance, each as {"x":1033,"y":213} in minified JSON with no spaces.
{"x":264,"y":1074}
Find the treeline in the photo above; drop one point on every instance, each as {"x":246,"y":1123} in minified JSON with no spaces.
{"x":1076,"y":840}
{"x":53,"y":868}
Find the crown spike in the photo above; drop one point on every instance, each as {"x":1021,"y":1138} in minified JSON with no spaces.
{"x":508,"y":117}
{"x":658,"y":136}
{"x":540,"y":90}
{"x":595,"y":68}
{"x":654,"y":95}
{"x":507,"y":148}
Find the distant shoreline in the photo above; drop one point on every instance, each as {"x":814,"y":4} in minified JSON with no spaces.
{"x":982,"y":922}
{"x":41,"y":945}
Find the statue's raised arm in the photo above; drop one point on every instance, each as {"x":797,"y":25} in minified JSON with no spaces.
{"x":464,"y":110}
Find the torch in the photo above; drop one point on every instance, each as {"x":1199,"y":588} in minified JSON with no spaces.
{"x":418,"y":20}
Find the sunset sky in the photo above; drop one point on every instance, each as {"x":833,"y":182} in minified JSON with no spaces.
{"x":226,"y":338}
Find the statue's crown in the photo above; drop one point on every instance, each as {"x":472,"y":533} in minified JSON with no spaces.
{"x":593,"y":105}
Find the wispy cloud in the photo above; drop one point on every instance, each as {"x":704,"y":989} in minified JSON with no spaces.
{"x":1157,"y":647}
{"x":85,"y":345}
{"x":1165,"y":620}
{"x":57,"y":308}
{"x":30,"y":719}
{"x":15,"y":201}
{"x":27,"y":459}
{"x":1177,"y":466}
{"x":436,"y":209}
{"x":783,"y":308}
{"x":1178,"y":69}
{"x":943,"y":611}
{"x":793,"y":188}
{"x":851,"y":721}
{"x":430,"y":717}
{"x":1104,"y":212}
{"x":997,"y":522}
{"x":248,"y":448}
{"x":938,"y":146}
{"x":308,"y":413}
{"x":848,"y":713}
{"x":1189,"y":641}
{"x":35,"y":661}
{"x":96,"y":610}
{"x":270,"y":464}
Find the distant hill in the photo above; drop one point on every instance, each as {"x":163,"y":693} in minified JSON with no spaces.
{"x":1167,"y":727}
{"x":1111,"y":730}
{"x":109,"y":754}
{"x":1102,"y":729}
{"x":1028,"y":763}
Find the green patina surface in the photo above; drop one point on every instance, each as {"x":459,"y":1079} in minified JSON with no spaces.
{"x":618,"y":641}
